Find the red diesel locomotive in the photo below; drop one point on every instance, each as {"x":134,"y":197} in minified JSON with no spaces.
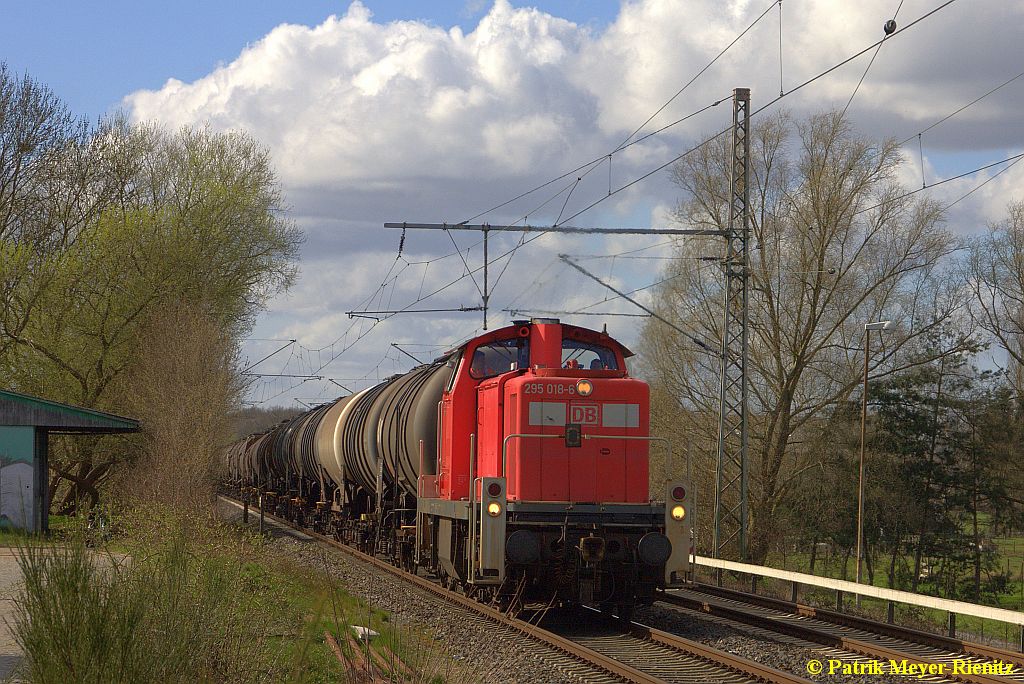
{"x":514,"y":467}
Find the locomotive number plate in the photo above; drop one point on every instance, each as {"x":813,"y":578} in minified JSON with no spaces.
{"x":548,"y":388}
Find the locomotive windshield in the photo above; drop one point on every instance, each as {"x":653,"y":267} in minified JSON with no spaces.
{"x":578,"y":354}
{"x":500,"y":357}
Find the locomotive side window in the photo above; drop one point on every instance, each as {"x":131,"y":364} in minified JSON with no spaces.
{"x":453,"y":362}
{"x":587,"y":356}
{"x":500,"y":357}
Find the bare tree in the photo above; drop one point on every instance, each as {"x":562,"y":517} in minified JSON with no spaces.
{"x":834,"y":246}
{"x":995,"y":272}
{"x":182,"y":386}
{"x":37,"y":132}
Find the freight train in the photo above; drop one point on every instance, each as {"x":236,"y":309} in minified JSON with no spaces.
{"x":514,"y":467}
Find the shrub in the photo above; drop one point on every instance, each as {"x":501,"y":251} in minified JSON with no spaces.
{"x":168,"y":615}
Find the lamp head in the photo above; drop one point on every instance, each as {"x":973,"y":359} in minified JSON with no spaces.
{"x":880,"y":325}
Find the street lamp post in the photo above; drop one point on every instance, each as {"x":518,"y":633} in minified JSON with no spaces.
{"x":868,"y":327}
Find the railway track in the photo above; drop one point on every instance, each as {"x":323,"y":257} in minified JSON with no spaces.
{"x":843,"y":634}
{"x":624,"y":652}
{"x":668,"y":656}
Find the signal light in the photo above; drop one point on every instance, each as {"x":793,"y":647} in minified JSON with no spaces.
{"x":679,"y":493}
{"x":584,"y":387}
{"x":494,"y":509}
{"x":678,"y":512}
{"x":494,"y":489}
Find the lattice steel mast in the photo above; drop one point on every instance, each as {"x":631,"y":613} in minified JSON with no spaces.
{"x":731,"y":472}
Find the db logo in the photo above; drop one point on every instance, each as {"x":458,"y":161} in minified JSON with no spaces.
{"x":584,"y":414}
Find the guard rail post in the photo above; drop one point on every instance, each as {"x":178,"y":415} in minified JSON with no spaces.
{"x":261,"y":514}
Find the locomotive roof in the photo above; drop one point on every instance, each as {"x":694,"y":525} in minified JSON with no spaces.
{"x":578,"y":332}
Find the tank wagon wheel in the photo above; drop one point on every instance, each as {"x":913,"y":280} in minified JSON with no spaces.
{"x":452,"y":583}
{"x":408,"y":564}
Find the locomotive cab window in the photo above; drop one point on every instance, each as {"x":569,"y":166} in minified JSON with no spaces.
{"x":577,"y":354}
{"x":500,"y":357}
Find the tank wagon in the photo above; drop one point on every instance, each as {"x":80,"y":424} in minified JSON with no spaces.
{"x":514,"y":467}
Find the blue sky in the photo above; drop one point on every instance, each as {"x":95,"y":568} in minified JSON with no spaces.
{"x":92,"y":54}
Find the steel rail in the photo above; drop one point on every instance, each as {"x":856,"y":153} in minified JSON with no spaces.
{"x":740,"y":664}
{"x":816,"y":636}
{"x":607,"y":663}
{"x":856,"y":622}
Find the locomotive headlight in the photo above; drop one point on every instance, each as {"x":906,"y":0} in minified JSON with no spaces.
{"x":494,"y":509}
{"x":678,"y":512}
{"x":584,"y":387}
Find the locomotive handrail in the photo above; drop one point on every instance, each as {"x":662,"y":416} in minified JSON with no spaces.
{"x":504,"y":444}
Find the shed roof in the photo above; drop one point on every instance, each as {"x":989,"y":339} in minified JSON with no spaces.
{"x":22,"y":409}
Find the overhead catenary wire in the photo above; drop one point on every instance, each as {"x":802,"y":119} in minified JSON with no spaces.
{"x":700,"y":73}
{"x":963,"y":108}
{"x":919,"y":135}
{"x":761,"y":109}
{"x":714,"y":137}
{"x":653,"y":313}
{"x":1015,"y":158}
{"x":856,"y":88}
{"x":984,"y":183}
{"x":782,"y":89}
{"x":627,"y":142}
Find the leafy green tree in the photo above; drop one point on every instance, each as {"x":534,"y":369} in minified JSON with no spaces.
{"x":988,"y":468}
{"x":946,"y":428}
{"x":915,"y":422}
{"x":105,"y":228}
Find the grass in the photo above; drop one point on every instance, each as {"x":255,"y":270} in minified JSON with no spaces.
{"x":60,"y":526}
{"x":178,"y":600}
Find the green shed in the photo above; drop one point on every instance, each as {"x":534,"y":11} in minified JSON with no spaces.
{"x":26,"y":423}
